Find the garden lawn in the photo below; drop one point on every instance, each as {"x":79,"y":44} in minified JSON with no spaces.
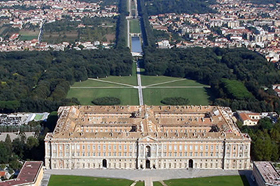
{"x":210,"y":181}
{"x":140,"y":183}
{"x":196,"y":96}
{"x":134,"y":26}
{"x":27,"y":35}
{"x":62,"y":180}
{"x":149,"y":80}
{"x":128,"y":96}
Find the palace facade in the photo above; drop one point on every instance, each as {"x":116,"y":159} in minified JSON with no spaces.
{"x":146,"y":137}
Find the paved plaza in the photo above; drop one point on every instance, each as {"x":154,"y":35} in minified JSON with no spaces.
{"x":147,"y":175}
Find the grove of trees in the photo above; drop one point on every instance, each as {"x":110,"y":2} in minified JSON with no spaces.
{"x":265,"y":140}
{"x":106,"y":101}
{"x":39,"y":81}
{"x":236,"y":76}
{"x":155,"y":7}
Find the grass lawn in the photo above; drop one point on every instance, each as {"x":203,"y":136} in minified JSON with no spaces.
{"x":134,"y":26}
{"x":157,"y":183}
{"x":94,"y":83}
{"x":210,"y":181}
{"x":148,"y":80}
{"x":196,"y":96}
{"x":58,"y":37}
{"x":86,"y":181}
{"x":140,"y":183}
{"x":180,"y":82}
{"x":128,"y":96}
{"x":26,"y":35}
{"x":38,"y":117}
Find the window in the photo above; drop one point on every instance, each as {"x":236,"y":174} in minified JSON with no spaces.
{"x":170,"y":147}
{"x":104,"y":147}
{"x":175,"y":147}
{"x":78,"y":147}
{"x":180,"y":147}
{"x":109,"y":147}
{"x":186,"y":147}
{"x":190,"y":147}
{"x":196,"y":147}
{"x":120,"y":147}
{"x":93,"y":147}
{"x":201,"y":147}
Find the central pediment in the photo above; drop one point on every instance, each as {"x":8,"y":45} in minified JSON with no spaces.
{"x":147,"y":139}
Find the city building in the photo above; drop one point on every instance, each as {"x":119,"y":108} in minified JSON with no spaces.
{"x":252,"y":118}
{"x":146,"y":137}
{"x":31,"y":174}
{"x":265,"y":174}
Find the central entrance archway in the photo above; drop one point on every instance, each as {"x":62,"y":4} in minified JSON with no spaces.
{"x":148,"y":164}
{"x":190,"y":163}
{"x":104,"y":163}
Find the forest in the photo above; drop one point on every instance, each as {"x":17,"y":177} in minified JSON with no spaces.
{"x":237,"y":76}
{"x":155,"y":7}
{"x":39,"y":81}
{"x":265,"y":140}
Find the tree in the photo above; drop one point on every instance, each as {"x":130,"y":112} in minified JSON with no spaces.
{"x":31,"y":142}
{"x":8,"y":143}
{"x":175,"y":101}
{"x":265,"y":123}
{"x":4,"y":153}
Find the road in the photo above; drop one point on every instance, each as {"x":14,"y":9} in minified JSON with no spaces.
{"x":140,"y":92}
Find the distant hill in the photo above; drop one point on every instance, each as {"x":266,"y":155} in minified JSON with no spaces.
{"x":155,"y":7}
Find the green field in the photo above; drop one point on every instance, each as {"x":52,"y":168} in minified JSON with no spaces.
{"x":196,"y":96}
{"x":159,"y":87}
{"x":27,"y":35}
{"x":86,"y":181}
{"x":38,"y":117}
{"x":155,"y":89}
{"x":210,"y":181}
{"x":128,"y":96}
{"x":140,"y":183}
{"x":114,"y":86}
{"x":58,"y":37}
{"x":134,"y":26}
{"x":150,"y":80}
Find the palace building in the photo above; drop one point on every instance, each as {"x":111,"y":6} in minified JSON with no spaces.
{"x":146,"y":137}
